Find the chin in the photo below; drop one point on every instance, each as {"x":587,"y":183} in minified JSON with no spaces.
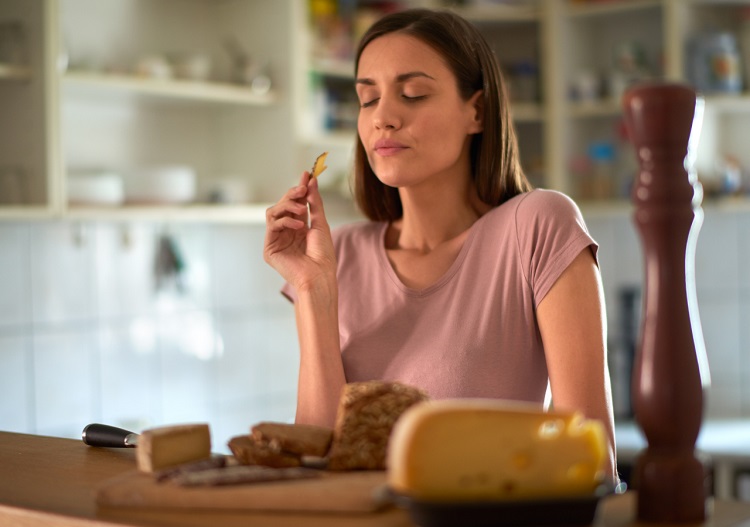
{"x":395,"y":176}
{"x":390,"y":179}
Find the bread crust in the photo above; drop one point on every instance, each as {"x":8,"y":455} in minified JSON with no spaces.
{"x":365,"y":417}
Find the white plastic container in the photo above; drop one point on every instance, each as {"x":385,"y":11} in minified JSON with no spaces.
{"x":95,"y":188}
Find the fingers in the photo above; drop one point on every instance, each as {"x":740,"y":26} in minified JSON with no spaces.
{"x":292,"y":206}
{"x":291,"y":211}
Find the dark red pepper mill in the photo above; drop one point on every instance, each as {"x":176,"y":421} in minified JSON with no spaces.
{"x":671,"y":370}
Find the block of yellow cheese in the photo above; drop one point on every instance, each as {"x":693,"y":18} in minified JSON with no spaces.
{"x":479,"y":449}
{"x":167,"y":446}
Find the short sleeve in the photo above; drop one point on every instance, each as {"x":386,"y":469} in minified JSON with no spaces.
{"x":551,"y":232}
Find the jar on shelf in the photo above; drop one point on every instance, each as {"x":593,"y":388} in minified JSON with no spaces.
{"x":594,"y":171}
{"x":714,"y":63}
{"x":602,"y":178}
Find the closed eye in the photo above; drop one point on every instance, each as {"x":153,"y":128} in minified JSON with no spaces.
{"x":407,"y":98}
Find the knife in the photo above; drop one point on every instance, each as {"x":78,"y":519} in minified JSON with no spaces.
{"x":96,"y":434}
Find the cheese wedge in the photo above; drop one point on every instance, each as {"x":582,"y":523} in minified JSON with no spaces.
{"x":167,"y":446}
{"x":479,"y":449}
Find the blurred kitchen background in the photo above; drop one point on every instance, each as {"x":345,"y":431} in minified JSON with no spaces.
{"x":142,"y":140}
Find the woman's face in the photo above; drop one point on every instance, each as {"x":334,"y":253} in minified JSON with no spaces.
{"x":413,"y":123}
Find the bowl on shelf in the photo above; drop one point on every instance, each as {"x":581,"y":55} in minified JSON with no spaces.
{"x":95,"y":188}
{"x":161,"y":185}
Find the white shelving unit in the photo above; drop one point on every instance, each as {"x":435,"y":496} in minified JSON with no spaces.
{"x":28,"y":176}
{"x":220,"y":129}
{"x":248,"y":213}
{"x":98,"y":114}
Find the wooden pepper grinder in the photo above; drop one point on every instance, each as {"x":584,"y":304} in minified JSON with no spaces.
{"x":670,"y":369}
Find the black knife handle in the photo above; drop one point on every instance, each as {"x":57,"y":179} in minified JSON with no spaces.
{"x":97,"y":434}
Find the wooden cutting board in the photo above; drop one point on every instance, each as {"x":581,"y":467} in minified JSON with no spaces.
{"x":332,"y":492}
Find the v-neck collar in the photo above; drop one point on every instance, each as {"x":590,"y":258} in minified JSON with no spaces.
{"x":441,"y":281}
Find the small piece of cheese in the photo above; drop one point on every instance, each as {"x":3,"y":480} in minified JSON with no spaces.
{"x":479,"y":449}
{"x":167,"y":446}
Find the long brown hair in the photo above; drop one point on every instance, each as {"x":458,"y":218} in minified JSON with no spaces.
{"x":495,"y":163}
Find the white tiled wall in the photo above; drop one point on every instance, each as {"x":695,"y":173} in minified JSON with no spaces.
{"x":85,"y":334}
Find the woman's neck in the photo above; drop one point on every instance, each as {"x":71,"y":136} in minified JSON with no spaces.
{"x":435,"y":214}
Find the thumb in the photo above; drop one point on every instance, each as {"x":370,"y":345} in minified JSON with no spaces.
{"x":315,"y":200}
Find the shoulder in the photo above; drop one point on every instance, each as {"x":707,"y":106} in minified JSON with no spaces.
{"x":550,"y":233}
{"x":536,"y":207}
{"x":357,"y":238}
{"x":356,"y":232}
{"x":546,"y":204}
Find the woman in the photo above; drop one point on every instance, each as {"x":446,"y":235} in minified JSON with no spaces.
{"x":465,"y":281}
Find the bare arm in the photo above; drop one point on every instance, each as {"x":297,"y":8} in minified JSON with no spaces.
{"x":321,"y":372}
{"x":572,"y":321}
{"x":303,"y":254}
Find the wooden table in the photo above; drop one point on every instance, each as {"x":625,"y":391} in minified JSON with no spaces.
{"x":52,"y":481}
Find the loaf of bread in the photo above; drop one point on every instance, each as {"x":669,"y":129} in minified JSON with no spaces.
{"x":299,"y":439}
{"x":365,"y":417}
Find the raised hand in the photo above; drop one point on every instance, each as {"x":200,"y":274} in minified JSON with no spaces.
{"x":298,"y":240}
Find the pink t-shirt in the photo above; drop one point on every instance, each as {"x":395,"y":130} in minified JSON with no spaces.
{"x":474,"y":332}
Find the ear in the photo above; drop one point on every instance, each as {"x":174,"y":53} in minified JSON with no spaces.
{"x":476,"y":104}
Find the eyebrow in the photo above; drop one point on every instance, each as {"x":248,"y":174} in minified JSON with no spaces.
{"x":400,"y":78}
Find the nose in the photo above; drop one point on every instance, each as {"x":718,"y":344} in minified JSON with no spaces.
{"x":386,"y":115}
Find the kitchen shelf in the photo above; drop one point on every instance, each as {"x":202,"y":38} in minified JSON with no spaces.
{"x":734,"y":103}
{"x":25,"y":212}
{"x":250,"y":213}
{"x":14,"y":73}
{"x":602,"y":108}
{"x":611,"y":8}
{"x":625,"y":207}
{"x":170,"y":89}
{"x":499,"y":13}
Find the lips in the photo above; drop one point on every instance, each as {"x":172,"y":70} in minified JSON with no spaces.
{"x":389,"y":147}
